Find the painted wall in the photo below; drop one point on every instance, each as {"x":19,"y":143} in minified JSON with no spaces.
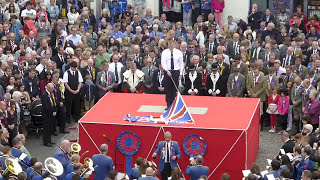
{"x":237,"y":8}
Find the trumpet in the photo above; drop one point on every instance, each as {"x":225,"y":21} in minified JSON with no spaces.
{"x":13,"y":168}
{"x":87,"y":166}
{"x":75,"y":148}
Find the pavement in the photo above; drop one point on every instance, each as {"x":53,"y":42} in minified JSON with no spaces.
{"x":270,"y":144}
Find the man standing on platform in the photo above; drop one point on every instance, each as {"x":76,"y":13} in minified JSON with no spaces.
{"x":102,"y":163}
{"x":172,"y":63}
{"x":169,"y":152}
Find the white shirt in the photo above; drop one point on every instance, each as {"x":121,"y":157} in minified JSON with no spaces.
{"x":75,"y":39}
{"x":177,"y":59}
{"x":28,"y":13}
{"x":225,"y":59}
{"x":281,"y":70}
{"x":65,"y":76}
{"x":40,"y":68}
{"x":165,"y":151}
{"x":112,"y":69}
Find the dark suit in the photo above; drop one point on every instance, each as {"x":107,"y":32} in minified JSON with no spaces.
{"x":271,"y":18}
{"x":309,"y":53}
{"x":220,"y":85}
{"x":233,"y":49}
{"x":85,"y":71}
{"x":61,"y":113}
{"x":4,"y":81}
{"x":48,"y":107}
{"x":59,"y":61}
{"x":104,"y":80}
{"x":186,"y":57}
{"x":288,"y":146}
{"x":255,"y":19}
{"x":203,"y":56}
{"x":197,"y":83}
{"x":148,"y":75}
{"x":225,"y":69}
{"x":159,"y":81}
{"x":236,"y":88}
{"x":212,"y":50}
{"x":290,"y":61}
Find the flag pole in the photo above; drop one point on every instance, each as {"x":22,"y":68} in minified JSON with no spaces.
{"x":174,"y":84}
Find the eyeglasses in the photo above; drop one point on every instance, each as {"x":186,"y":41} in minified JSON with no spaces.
{"x":149,"y":62}
{"x":4,"y":40}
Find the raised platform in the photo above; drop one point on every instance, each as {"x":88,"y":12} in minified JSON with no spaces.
{"x":230,"y":127}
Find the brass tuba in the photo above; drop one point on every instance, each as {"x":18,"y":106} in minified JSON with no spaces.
{"x":153,"y":165}
{"x":53,"y":167}
{"x":75,"y":148}
{"x":13,"y":168}
{"x":87,"y":166}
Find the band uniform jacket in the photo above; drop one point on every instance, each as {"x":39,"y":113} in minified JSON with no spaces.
{"x":148,"y":74}
{"x":217,"y":83}
{"x":193,"y":82}
{"x":255,"y":86}
{"x":174,"y":151}
{"x":236,"y":87}
{"x":301,"y":71}
{"x":103,"y":164}
{"x":159,"y":80}
{"x":243,"y":68}
{"x":104,"y":79}
{"x":133,"y":80}
{"x":270,"y":83}
{"x":63,"y":157}
{"x":195,"y":172}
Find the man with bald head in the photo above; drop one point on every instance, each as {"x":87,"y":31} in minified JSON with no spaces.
{"x":62,"y":155}
{"x":91,"y":70}
{"x":102,"y":163}
{"x":49,"y":112}
{"x":149,"y":175}
{"x":255,"y":17}
{"x":233,"y":48}
{"x":169,"y":152}
{"x":195,"y":171}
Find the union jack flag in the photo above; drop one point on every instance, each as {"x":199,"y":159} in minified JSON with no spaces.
{"x":177,"y":113}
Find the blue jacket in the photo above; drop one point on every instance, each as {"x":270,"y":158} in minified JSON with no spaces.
{"x":148,"y":178}
{"x":36,"y":177}
{"x":69,"y":176}
{"x":69,"y":168}
{"x":187,"y":6}
{"x":206,"y":6}
{"x":28,"y":172}
{"x":16,"y":28}
{"x":305,"y":165}
{"x":64,"y":160}
{"x":122,"y":6}
{"x":25,"y":162}
{"x":276,"y":174}
{"x":103,"y":164}
{"x":175,"y":151}
{"x":3,"y":159}
{"x":196,"y":171}
{"x":90,"y":91}
{"x":135,"y":174}
{"x":115,"y":9}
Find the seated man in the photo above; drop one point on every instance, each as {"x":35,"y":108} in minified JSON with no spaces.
{"x":275,"y":165}
{"x":132,"y":80}
{"x":17,"y":153}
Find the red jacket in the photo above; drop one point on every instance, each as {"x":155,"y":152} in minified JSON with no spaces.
{"x":315,"y":24}
{"x":275,"y":101}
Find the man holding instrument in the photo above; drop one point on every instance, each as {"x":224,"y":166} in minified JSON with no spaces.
{"x":172,"y":63}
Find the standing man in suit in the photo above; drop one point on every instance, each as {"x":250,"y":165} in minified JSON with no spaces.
{"x":72,"y":81}
{"x":159,"y":81}
{"x":169,"y":152}
{"x":255,"y":17}
{"x":243,"y":67}
{"x":223,"y":68}
{"x":60,"y":58}
{"x":172,"y":63}
{"x":233,"y":48}
{"x":271,"y":81}
{"x":185,"y":53}
{"x":195,"y":171}
{"x":314,"y":78}
{"x":216,"y":83}
{"x":148,"y":71}
{"x":193,"y":82}
{"x":62,"y":154}
{"x":265,"y":55}
{"x":102,"y":163}
{"x":296,"y":97}
{"x":91,"y":70}
{"x":257,"y":50}
{"x":202,"y":53}
{"x":49,"y":113}
{"x":105,"y":80}
{"x":300,"y":70}
{"x":268,"y":17}
{"x":236,"y":84}
{"x":211,"y":45}
{"x":290,"y":76}
{"x":255,"y":86}
{"x":288,"y":59}
{"x":115,"y":67}
{"x":314,"y":50}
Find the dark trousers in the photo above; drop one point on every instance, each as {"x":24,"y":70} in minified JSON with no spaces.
{"x":166,"y":172}
{"x":48,"y":127}
{"x":171,"y":91}
{"x":61,"y":114}
{"x":195,"y":13}
{"x":72,"y":105}
{"x":283,"y":121}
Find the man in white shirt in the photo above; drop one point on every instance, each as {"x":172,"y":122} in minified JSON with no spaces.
{"x":28,"y":12}
{"x":74,"y":39}
{"x":278,"y":70}
{"x":172,"y":63}
{"x":115,"y":67}
{"x":72,"y":79}
{"x":42,"y":64}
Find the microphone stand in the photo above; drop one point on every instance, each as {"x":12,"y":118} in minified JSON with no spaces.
{"x":115,"y":156}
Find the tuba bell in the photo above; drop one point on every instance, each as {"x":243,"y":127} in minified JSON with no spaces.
{"x":53,"y":167}
{"x":75,"y":148}
{"x":12,"y":168}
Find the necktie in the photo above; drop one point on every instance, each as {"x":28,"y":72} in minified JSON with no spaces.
{"x":116,"y":72}
{"x":314,"y":51}
{"x":172,"y":64}
{"x":317,"y":70}
{"x":276,"y":73}
{"x":133,"y":78}
{"x":168,"y":153}
{"x":235,"y":48}
{"x":254,"y":53}
{"x":149,"y":71}
{"x":214,"y":76}
{"x":211,"y":48}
